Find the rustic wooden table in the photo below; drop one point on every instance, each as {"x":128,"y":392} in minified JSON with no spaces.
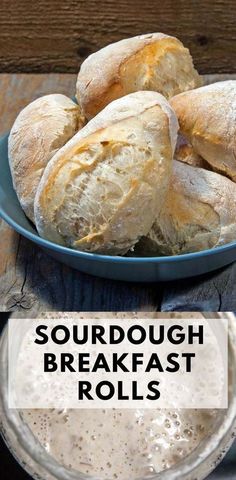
{"x":57,"y":35}
{"x":31,"y":281}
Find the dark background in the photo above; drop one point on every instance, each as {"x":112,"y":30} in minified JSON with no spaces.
{"x":56,"y":35}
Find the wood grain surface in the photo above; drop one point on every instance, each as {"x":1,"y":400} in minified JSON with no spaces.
{"x":30,"y":281}
{"x":56,"y":35}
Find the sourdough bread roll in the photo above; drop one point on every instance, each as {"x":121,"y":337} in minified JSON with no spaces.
{"x":40,"y":129}
{"x":154,"y":62}
{"x":185,"y":153}
{"x":102,"y":190}
{"x":207,"y":119}
{"x":199,"y":213}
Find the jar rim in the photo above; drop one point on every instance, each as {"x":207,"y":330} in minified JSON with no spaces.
{"x":38,"y":453}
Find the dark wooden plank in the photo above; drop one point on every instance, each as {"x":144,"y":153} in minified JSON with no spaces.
{"x":213,"y":292}
{"x":29,"y":280}
{"x":55,"y":36}
{"x":33,"y":282}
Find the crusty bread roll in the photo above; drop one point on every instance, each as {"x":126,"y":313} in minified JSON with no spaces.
{"x":207,"y":119}
{"x":102,"y":190}
{"x":184,"y":152}
{"x":40,"y":129}
{"x":199,"y":213}
{"x":154,"y":61}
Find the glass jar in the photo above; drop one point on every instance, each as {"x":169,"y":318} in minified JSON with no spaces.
{"x":33,"y":457}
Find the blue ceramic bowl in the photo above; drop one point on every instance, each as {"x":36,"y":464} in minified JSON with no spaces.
{"x":135,"y":269}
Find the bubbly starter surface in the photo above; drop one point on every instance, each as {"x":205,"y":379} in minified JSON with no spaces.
{"x":120,"y":444}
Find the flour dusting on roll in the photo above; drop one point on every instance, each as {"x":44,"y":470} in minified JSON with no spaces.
{"x":207,"y":118}
{"x":102,"y":190}
{"x":199,"y":213}
{"x":153,"y":61}
{"x":40,"y":129}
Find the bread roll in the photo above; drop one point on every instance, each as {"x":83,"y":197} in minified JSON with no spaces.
{"x":199,"y":213}
{"x":154,"y":61}
{"x":207,"y":119}
{"x":102,"y":190}
{"x":185,"y":153}
{"x":40,"y":129}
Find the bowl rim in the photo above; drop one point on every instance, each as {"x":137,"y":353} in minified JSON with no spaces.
{"x":34,"y":237}
{"x":112,"y":258}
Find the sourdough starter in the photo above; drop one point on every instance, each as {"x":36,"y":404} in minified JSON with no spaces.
{"x":120,"y":443}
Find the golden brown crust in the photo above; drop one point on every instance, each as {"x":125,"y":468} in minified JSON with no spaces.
{"x":184,"y":152}
{"x":199,"y":213}
{"x":40,"y":129}
{"x":102,"y":190}
{"x":207,"y":119}
{"x":154,"y":62}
